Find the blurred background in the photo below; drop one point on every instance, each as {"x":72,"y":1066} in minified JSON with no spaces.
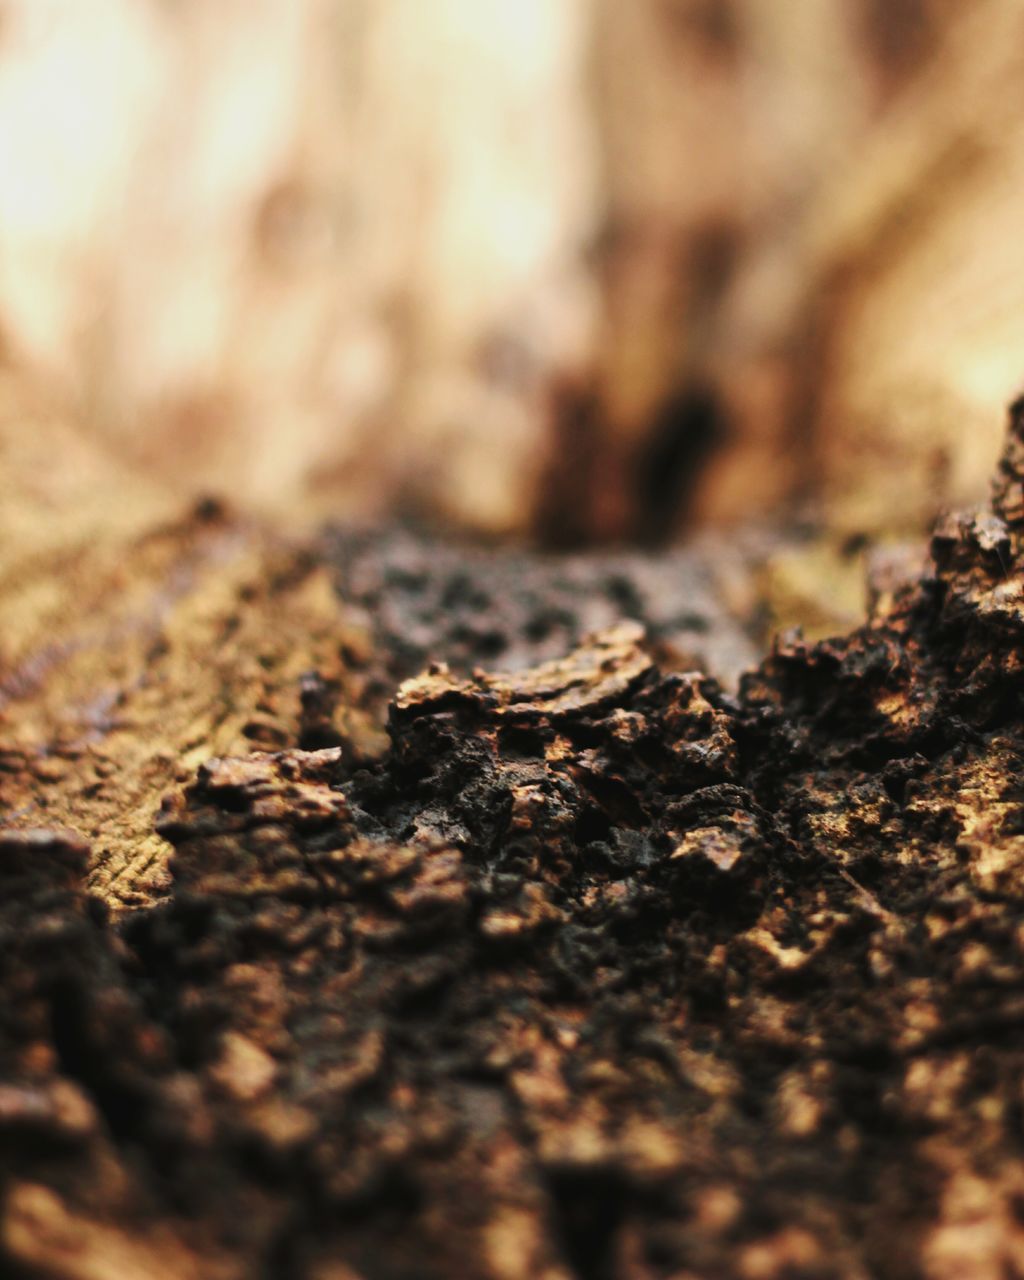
{"x":579,"y":271}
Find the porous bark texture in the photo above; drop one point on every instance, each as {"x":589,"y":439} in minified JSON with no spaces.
{"x":593,"y":970}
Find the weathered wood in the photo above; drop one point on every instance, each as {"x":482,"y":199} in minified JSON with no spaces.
{"x":596,"y":970}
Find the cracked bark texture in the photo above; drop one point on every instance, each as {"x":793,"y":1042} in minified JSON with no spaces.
{"x":591,"y":969}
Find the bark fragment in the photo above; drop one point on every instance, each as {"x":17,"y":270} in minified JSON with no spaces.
{"x":598,"y":971}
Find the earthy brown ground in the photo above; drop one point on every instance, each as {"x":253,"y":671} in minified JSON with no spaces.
{"x":589,"y":969}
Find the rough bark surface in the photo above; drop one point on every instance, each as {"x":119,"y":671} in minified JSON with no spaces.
{"x":591,"y":970}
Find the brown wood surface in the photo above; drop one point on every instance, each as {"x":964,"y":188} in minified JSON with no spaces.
{"x":320,"y":960}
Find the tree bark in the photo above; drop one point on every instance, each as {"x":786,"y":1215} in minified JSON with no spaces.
{"x":690,"y":261}
{"x":585,"y":969}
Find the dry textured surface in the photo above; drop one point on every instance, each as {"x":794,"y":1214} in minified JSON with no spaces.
{"x":701,"y":605}
{"x":595,"y":971}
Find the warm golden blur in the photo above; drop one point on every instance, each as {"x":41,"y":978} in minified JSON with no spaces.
{"x":610,"y":267}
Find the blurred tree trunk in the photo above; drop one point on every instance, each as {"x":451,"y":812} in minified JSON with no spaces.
{"x":806,"y":253}
{"x":603,"y":269}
